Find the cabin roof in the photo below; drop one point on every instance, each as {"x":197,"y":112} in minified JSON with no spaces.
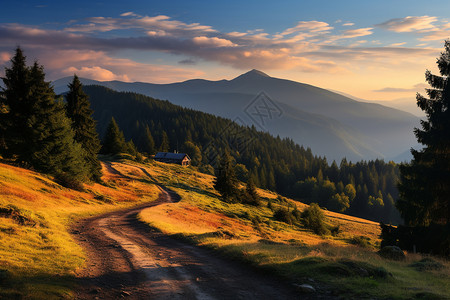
{"x":170,"y":155}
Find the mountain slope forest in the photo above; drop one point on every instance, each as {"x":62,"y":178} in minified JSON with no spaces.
{"x":332,"y":125}
{"x":365,"y":189}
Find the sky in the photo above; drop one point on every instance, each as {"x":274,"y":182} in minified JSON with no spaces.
{"x":374,"y":50}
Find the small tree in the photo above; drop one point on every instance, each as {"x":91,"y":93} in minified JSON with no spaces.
{"x":164,"y":147}
{"x":114,"y":141}
{"x":314,"y":219}
{"x":193,"y":151}
{"x":425,"y":182}
{"x":251,"y":195}
{"x":83,"y":125}
{"x":148,"y":144}
{"x":226,"y":181}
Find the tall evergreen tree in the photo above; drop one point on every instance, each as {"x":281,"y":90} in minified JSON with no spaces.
{"x":164,"y":147}
{"x":114,"y":141}
{"x":425,"y":182}
{"x":37,"y":130}
{"x":148,"y":143}
{"x":83,"y":125}
{"x":16,"y":108}
{"x":226,"y":181}
{"x":51,"y":141}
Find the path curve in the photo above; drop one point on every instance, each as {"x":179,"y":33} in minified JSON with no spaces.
{"x":127,"y":258}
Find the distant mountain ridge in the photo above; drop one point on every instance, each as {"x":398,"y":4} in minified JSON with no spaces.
{"x":329,"y":123}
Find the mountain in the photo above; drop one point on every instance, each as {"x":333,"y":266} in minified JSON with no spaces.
{"x":330,"y":124}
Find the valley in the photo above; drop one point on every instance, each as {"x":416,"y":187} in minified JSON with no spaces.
{"x":331,"y":124}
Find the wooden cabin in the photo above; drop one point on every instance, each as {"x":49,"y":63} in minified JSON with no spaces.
{"x":173,"y":158}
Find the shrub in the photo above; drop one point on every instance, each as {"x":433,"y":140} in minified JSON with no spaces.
{"x":69,"y":182}
{"x":283,"y":215}
{"x":314,"y":219}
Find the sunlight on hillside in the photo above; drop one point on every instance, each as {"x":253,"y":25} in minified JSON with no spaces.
{"x":35,"y":214}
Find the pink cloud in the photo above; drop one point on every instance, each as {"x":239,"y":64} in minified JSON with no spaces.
{"x":410,"y":24}
{"x":96,"y":73}
{"x":4,"y":57}
{"x":204,"y":41}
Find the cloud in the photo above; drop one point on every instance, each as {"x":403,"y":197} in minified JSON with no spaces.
{"x":309,"y":26}
{"x":352,"y":33}
{"x":98,"y":73}
{"x":129,"y":14}
{"x":398,"y":44}
{"x":204,"y":41}
{"x":4,"y":57}
{"x":415,"y":88}
{"x":144,"y":23}
{"x":410,"y":24}
{"x":348,"y":24}
{"x":90,"y":47}
{"x":436,"y":36}
{"x":187,"y":62}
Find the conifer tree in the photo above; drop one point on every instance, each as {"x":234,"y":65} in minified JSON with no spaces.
{"x":251,"y":195}
{"x":15,"y":108}
{"x":148,"y":144}
{"x":164,"y":147}
{"x":114,"y":141}
{"x":226,"y":181}
{"x":83,"y":125}
{"x":51,"y":141}
{"x":425,"y":182}
{"x":37,"y":130}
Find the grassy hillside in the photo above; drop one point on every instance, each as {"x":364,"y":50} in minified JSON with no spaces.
{"x":39,"y":258}
{"x":346,"y":264}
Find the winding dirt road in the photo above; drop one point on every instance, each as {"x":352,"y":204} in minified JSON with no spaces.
{"x":128,"y":259}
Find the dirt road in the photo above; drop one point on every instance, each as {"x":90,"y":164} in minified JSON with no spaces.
{"x":128,"y":259}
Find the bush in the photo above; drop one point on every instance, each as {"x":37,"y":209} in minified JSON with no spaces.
{"x":69,"y":182}
{"x":283,"y":215}
{"x":314,"y":219}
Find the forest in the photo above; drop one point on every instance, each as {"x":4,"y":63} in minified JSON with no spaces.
{"x":365,"y":189}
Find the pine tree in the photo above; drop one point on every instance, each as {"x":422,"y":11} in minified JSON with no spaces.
{"x":164,"y":147}
{"x":51,"y":141}
{"x":251,"y":195}
{"x":425,"y":182}
{"x":114,"y":141}
{"x":38,"y":132}
{"x":16,"y":108}
{"x":226,"y":181}
{"x":148,"y":144}
{"x":83,"y":125}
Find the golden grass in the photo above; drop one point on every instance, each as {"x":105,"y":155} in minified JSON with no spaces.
{"x":41,"y":257}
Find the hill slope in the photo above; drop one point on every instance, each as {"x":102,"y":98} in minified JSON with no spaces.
{"x":40,"y":258}
{"x":329,"y":123}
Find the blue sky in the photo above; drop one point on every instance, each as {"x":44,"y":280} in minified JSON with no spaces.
{"x":370,"y":49}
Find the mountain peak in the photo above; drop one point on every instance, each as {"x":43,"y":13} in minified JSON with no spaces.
{"x":253,"y":74}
